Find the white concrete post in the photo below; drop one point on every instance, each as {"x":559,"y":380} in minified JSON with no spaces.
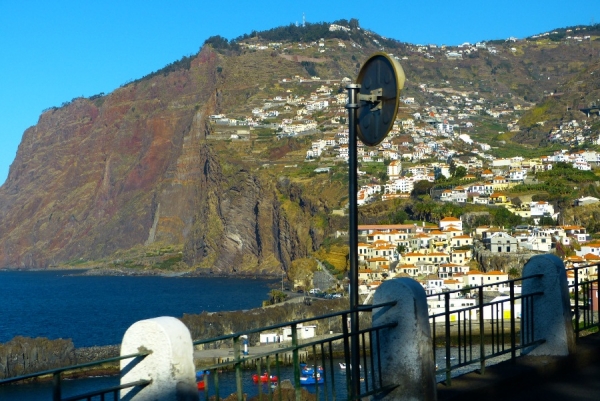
{"x":551,"y":318}
{"x":170,"y":366}
{"x":406,"y":350}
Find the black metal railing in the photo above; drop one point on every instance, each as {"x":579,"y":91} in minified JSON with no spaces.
{"x":584,"y":298}
{"x":319,"y":365}
{"x":481,"y":331}
{"x":102,"y":393}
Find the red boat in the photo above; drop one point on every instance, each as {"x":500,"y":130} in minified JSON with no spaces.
{"x":200,"y":379}
{"x":264,"y":378}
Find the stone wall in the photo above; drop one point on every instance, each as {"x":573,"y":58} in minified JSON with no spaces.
{"x":23,"y":355}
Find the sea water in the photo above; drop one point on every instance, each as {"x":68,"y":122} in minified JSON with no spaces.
{"x":97,"y":310}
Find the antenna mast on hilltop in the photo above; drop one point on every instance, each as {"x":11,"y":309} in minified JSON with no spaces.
{"x":303,"y":20}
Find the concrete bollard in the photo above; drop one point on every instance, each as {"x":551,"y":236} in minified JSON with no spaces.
{"x":406,"y":350}
{"x":170,"y":366}
{"x":551,"y":311}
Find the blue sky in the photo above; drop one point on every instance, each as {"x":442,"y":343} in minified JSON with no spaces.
{"x":54,"y":51}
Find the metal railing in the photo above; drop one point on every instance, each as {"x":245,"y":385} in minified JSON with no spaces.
{"x":475,"y":334}
{"x":584,"y":299}
{"x":305,"y":364}
{"x":102,"y":393}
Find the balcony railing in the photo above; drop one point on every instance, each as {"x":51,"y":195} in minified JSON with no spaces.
{"x":482,"y":332}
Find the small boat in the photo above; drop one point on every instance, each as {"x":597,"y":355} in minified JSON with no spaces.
{"x":264,"y":378}
{"x":343,"y":366}
{"x":316,"y":378}
{"x":307,"y":371}
{"x":200,"y":379}
{"x":200,"y":374}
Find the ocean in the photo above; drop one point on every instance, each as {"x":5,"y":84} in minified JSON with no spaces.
{"x":97,"y":310}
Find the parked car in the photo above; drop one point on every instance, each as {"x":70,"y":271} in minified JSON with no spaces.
{"x":314,"y":291}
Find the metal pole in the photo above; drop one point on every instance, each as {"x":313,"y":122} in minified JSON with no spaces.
{"x":352,"y":107}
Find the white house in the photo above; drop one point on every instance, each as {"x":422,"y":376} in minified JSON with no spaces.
{"x":303,"y":332}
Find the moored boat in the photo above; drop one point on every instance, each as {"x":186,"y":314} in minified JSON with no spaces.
{"x":310,"y":370}
{"x":200,"y":379}
{"x":343,"y":366}
{"x":264,"y":378}
{"x":316,"y":378}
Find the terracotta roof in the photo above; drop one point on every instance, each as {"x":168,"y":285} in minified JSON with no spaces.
{"x":591,"y":256}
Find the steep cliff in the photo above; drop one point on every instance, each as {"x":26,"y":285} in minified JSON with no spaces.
{"x":135,"y":169}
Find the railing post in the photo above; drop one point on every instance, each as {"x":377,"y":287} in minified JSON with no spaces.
{"x":577,"y":312}
{"x":56,"y":388}
{"x":448,"y":339}
{"x":550,"y":313}
{"x":170,"y":366}
{"x":513,"y":335}
{"x":481,"y":331}
{"x":296,"y":358}
{"x":237,"y":355}
{"x":406,"y":351}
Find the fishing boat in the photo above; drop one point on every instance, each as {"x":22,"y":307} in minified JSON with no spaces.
{"x":264,"y":378}
{"x":310,"y":370}
{"x":316,"y":378}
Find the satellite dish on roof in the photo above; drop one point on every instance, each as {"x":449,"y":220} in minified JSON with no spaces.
{"x":381,"y":79}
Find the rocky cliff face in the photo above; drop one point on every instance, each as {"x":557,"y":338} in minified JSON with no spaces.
{"x":134,"y":168}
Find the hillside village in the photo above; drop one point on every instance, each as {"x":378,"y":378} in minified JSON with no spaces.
{"x":426,"y":143}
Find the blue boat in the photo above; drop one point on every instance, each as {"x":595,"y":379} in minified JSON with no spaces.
{"x":310,"y":370}
{"x":200,"y":374}
{"x":312,"y":379}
